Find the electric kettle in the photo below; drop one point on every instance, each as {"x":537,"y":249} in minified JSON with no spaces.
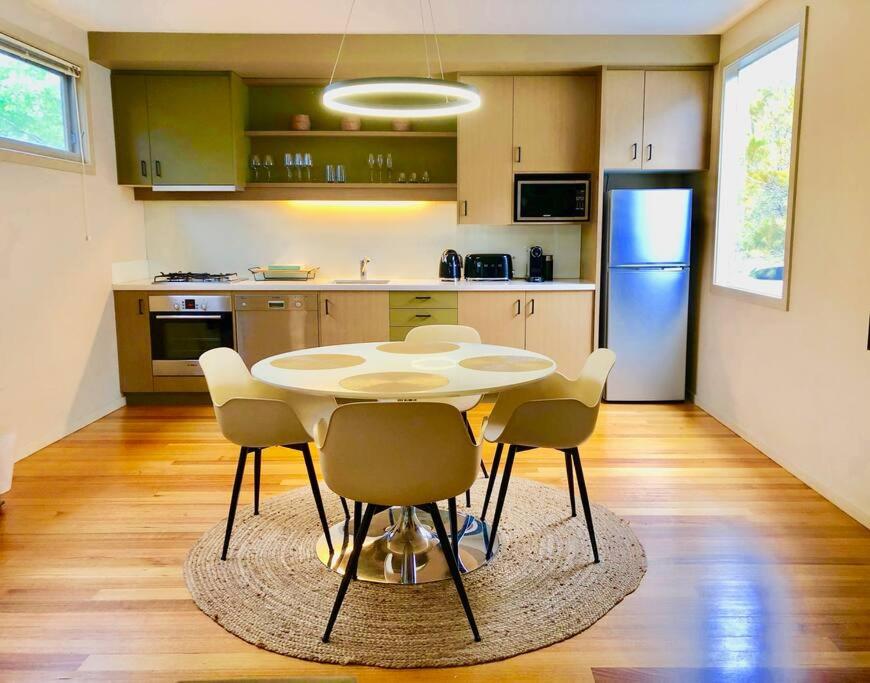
{"x":450,"y":268}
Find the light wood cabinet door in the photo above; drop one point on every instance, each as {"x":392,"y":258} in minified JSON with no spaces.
{"x":484,"y":167}
{"x":130,"y":112}
{"x":353,"y":317}
{"x":134,"y":341}
{"x":192,"y":130}
{"x":623,"y":119}
{"x":555,"y":124}
{"x":497,"y":316}
{"x":559,"y":325}
{"x":676,"y":120}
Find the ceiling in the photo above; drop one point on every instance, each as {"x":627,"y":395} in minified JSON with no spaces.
{"x":544,"y":17}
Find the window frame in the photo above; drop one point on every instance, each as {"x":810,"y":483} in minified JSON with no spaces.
{"x":732,"y":61}
{"x":76,"y":110}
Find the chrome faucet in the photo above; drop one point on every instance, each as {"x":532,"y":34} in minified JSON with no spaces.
{"x":362,"y":267}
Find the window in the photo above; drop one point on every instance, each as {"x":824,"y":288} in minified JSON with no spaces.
{"x":38,"y":102}
{"x":753,"y":227}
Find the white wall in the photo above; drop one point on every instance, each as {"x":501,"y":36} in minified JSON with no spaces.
{"x":797,"y":383}
{"x":58,"y":360}
{"x":403,"y":240}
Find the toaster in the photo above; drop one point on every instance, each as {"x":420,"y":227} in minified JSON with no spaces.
{"x":489,"y":267}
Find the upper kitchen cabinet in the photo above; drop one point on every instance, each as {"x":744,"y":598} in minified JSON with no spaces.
{"x":656,"y":120}
{"x":555,"y":123}
{"x":484,"y":165}
{"x":180,"y":129}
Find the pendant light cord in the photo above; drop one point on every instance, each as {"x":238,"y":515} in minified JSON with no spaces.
{"x":341,"y":44}
{"x":435,"y":38}
{"x":425,"y":44}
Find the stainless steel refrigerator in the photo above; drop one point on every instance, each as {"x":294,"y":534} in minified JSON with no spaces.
{"x":646,"y":293}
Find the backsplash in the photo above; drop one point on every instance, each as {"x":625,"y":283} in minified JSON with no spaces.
{"x":403,"y":240}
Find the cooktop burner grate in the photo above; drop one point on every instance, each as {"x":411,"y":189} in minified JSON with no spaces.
{"x":180,"y":276}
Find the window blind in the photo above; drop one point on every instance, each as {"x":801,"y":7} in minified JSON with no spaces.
{"x":22,"y":50}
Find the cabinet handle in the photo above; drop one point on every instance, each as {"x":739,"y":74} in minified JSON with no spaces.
{"x":649,"y":152}
{"x":519,"y":157}
{"x":423,"y":315}
{"x":326,"y":306}
{"x":157,"y":170}
{"x":519,"y":307}
{"x":634,"y":152}
{"x":144,"y":168}
{"x":464,"y":207}
{"x":423,"y":298}
{"x":141,"y":307}
{"x":532,"y":302}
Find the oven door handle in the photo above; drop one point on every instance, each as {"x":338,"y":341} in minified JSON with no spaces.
{"x":187,"y":317}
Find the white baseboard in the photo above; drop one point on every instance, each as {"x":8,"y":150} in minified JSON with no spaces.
{"x":850,"y":507}
{"x":82,"y":421}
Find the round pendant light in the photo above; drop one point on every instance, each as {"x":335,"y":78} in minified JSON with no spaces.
{"x":400,"y":97}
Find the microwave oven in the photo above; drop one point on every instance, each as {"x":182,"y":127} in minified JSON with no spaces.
{"x":551,"y":197}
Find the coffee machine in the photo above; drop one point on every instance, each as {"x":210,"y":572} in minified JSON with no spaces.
{"x":537,"y":265}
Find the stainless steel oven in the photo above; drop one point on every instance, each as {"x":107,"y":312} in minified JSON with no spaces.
{"x":185,"y":327}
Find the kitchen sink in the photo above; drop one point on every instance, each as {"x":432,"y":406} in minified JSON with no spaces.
{"x":359,"y":281}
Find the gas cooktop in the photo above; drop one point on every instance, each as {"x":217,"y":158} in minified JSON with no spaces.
{"x":180,"y":276}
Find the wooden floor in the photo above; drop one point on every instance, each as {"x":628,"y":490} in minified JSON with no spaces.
{"x":752,"y":575}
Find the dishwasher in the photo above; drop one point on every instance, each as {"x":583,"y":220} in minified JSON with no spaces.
{"x":267,"y":324}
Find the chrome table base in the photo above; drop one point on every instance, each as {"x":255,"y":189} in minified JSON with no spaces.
{"x":402,"y":547}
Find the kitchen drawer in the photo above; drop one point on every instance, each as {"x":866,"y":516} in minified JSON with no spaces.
{"x":414,"y":317}
{"x":423,"y":299}
{"x":285,"y":301}
{"x":399,"y":333}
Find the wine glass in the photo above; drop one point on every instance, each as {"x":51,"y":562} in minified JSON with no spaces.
{"x":389,"y":167}
{"x":340,"y":176}
{"x":308,"y":165}
{"x":425,"y":178}
{"x":298,"y":163}
{"x":380,"y":168}
{"x":268,"y":164}
{"x":288,"y":164}
{"x":371,"y":168}
{"x":255,"y":166}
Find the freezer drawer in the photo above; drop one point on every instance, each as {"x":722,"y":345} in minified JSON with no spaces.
{"x":267,"y":325}
{"x":646,"y":324}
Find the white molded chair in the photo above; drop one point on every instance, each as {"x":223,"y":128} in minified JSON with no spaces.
{"x":254,"y":416}
{"x":554,"y":413}
{"x":405,"y":453}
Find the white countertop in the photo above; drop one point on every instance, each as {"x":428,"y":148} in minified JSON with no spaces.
{"x":328,"y":285}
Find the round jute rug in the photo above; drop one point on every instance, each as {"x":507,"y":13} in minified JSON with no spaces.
{"x":540,"y":588}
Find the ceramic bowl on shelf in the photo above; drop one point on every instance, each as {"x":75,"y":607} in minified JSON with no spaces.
{"x":300,"y":122}
{"x":401,"y":125}
{"x":351,"y":123}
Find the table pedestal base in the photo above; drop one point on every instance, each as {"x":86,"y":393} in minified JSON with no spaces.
{"x":402,"y":547}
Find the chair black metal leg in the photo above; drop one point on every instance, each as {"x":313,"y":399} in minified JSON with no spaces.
{"x":495,"y":461}
{"x":502,"y":492}
{"x":454,"y":536}
{"x":468,"y":425}
{"x":483,"y":469}
{"x":234,"y":499}
{"x":432,"y":509}
{"x":357,"y":524}
{"x":315,"y":490}
{"x":258,"y":462}
{"x":584,"y":499}
{"x":344,"y":507}
{"x":570,"y":472}
{"x":349,"y":572}
{"x":468,"y":498}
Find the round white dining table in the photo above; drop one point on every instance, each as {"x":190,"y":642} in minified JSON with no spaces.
{"x":401,"y":545}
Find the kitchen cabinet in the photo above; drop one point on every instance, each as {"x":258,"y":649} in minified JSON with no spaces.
{"x":272,"y":323}
{"x":497,"y":316}
{"x":132,"y":138}
{"x":349,"y":317}
{"x":132,"y":324}
{"x":194,"y":125}
{"x":559,"y":325}
{"x":656,"y":120}
{"x":484,"y":163}
{"x":555,"y":124}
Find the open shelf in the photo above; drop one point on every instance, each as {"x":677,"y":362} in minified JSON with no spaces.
{"x":349,"y":134}
{"x":433,"y":192}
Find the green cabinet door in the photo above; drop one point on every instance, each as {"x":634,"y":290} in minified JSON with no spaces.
{"x":130,"y":110}
{"x":192,"y":129}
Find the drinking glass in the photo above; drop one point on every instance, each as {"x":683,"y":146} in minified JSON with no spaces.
{"x":268,"y":164}
{"x":340,"y":176}
{"x":297,"y":161}
{"x":330,"y":173}
{"x":401,"y":176}
{"x":371,"y":168}
{"x":380,"y":168}
{"x":425,"y":177}
{"x":288,"y":164}
{"x":389,"y":167}
{"x":255,"y":166}
{"x":308,"y":165}
{"x":413,"y":177}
